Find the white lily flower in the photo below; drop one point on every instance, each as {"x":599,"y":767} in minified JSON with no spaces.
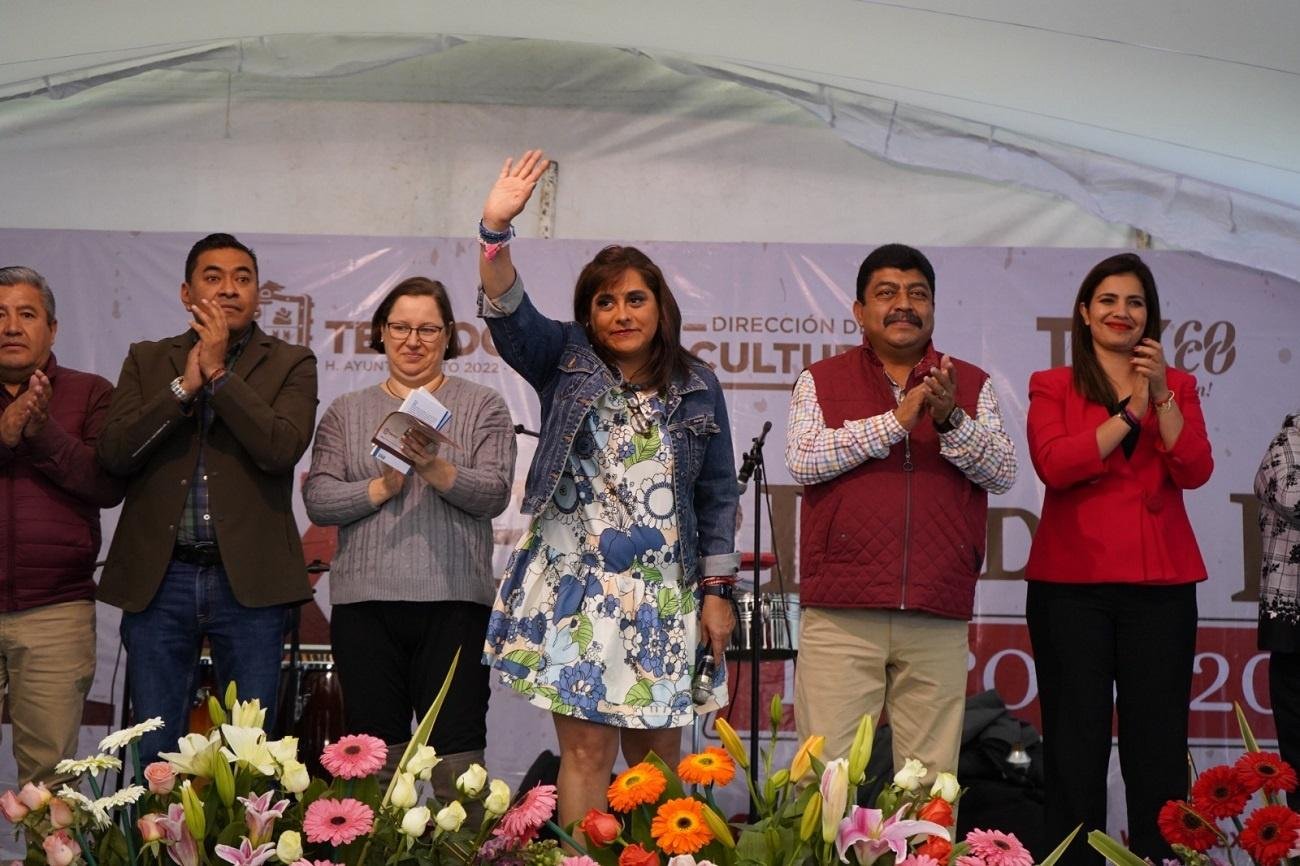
{"x":248,"y":714}
{"x":248,"y":745}
{"x":126,"y":736}
{"x":283,"y":750}
{"x":196,"y":754}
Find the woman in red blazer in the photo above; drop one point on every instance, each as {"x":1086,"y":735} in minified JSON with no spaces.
{"x":1111,"y":603}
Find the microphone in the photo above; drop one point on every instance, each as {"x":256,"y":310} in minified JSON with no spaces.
{"x":702,"y":684}
{"x":751,"y":459}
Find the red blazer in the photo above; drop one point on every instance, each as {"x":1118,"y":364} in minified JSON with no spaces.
{"x":1118,"y":520}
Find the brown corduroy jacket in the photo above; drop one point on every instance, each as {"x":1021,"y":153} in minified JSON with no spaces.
{"x":265,"y":414}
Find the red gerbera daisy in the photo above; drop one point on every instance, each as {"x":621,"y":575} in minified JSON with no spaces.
{"x":1264,"y":770}
{"x":1269,"y":834}
{"x":1180,"y":825}
{"x":1218,"y":793}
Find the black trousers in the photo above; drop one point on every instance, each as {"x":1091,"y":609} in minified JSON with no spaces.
{"x":1284,"y":694}
{"x":1092,"y":642}
{"x":392,"y":656}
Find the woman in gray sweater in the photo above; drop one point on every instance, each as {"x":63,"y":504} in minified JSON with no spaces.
{"x":412,"y":580}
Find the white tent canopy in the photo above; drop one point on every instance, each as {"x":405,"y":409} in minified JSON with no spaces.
{"x":1180,"y":119}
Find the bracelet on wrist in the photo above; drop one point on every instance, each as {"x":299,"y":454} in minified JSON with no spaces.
{"x":179,"y":392}
{"x":1133,"y":421}
{"x":487,"y":236}
{"x":1166,"y":404}
{"x":721,"y":590}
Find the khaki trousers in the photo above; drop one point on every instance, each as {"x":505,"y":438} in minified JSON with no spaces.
{"x":47,"y":662}
{"x":913,"y":665}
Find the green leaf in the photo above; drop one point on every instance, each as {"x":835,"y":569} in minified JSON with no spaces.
{"x":1247,"y":735}
{"x":688,"y":603}
{"x":649,"y":573}
{"x":523,"y":687}
{"x":1060,"y":849}
{"x":752,"y":847}
{"x":668,"y":602}
{"x":644,"y":447}
{"x":528,"y":658}
{"x":549,"y":692}
{"x":584,"y":633}
{"x":640,"y":694}
{"x":1114,"y":851}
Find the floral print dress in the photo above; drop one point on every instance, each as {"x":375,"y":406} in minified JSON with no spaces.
{"x":592,"y":619}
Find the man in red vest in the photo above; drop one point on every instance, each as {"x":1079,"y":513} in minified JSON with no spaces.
{"x":898,"y":447}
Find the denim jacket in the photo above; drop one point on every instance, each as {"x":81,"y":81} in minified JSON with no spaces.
{"x":558,"y":361}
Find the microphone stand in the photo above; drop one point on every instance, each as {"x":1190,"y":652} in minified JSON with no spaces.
{"x":753,"y":461}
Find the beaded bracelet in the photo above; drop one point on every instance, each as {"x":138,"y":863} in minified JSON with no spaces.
{"x":488,"y":236}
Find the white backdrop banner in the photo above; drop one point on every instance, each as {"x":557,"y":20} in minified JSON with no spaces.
{"x":759,"y":313}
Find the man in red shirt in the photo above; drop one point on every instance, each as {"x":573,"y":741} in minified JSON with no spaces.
{"x":51,"y":490}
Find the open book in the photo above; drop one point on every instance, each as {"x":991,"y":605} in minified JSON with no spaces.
{"x":421,"y":414}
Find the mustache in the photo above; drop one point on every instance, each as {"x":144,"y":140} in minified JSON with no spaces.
{"x":903,"y":316}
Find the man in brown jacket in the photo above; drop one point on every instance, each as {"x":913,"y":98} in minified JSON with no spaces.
{"x":207,"y":426}
{"x":51,"y":490}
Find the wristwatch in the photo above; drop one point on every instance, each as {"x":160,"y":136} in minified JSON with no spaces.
{"x":179,"y":392}
{"x":721,"y":590}
{"x":952,"y":422}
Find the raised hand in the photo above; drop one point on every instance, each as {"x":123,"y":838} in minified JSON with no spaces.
{"x":908,"y":412}
{"x":15,"y":418}
{"x":41,"y":390}
{"x":191,"y":376}
{"x":513,"y":187}
{"x":941,"y":389}
{"x":214,"y":334}
{"x":1148,"y":361}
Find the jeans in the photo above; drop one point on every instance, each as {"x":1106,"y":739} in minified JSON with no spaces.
{"x":163,"y":641}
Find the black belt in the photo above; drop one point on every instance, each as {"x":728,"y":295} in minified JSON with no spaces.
{"x":205,"y":553}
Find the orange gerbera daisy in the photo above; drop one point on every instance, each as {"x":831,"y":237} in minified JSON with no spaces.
{"x":639,"y":784}
{"x":712,"y":766}
{"x":678,"y":827}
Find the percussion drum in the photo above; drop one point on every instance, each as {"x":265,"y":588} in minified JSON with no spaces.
{"x":780,"y":629}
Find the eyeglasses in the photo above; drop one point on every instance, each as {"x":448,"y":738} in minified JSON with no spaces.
{"x":426,"y":333}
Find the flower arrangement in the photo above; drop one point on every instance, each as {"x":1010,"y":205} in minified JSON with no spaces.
{"x":232,"y":796}
{"x":1267,"y":836}
{"x":808,"y":814}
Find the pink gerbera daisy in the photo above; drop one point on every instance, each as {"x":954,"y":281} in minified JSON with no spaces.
{"x":521,"y":823}
{"x":920,"y":860}
{"x":969,"y":860}
{"x":306,"y":862}
{"x":337,"y":822}
{"x":354,"y":756}
{"x":998,"y":849}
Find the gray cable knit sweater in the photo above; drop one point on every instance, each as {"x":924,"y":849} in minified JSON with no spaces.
{"x":420,"y":545}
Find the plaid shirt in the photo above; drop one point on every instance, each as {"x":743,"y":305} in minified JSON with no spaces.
{"x":195,"y":526}
{"x":980,"y":448}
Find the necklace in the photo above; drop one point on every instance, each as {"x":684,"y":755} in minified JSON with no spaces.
{"x":432,"y":385}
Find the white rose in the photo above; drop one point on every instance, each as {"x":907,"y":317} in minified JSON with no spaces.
{"x":451,"y":817}
{"x":404,"y":796}
{"x":471,"y":782}
{"x":289,"y":848}
{"x":423,"y":762}
{"x":945,"y":786}
{"x":909,"y":778}
{"x":295,"y":777}
{"x":498,"y":798}
{"x":415,"y":821}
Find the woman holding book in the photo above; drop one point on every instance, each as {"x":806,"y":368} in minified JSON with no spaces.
{"x":1111,"y":604}
{"x":628,"y":565}
{"x":412,"y":580}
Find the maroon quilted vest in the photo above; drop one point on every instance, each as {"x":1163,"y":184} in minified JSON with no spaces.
{"x":906,"y":532}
